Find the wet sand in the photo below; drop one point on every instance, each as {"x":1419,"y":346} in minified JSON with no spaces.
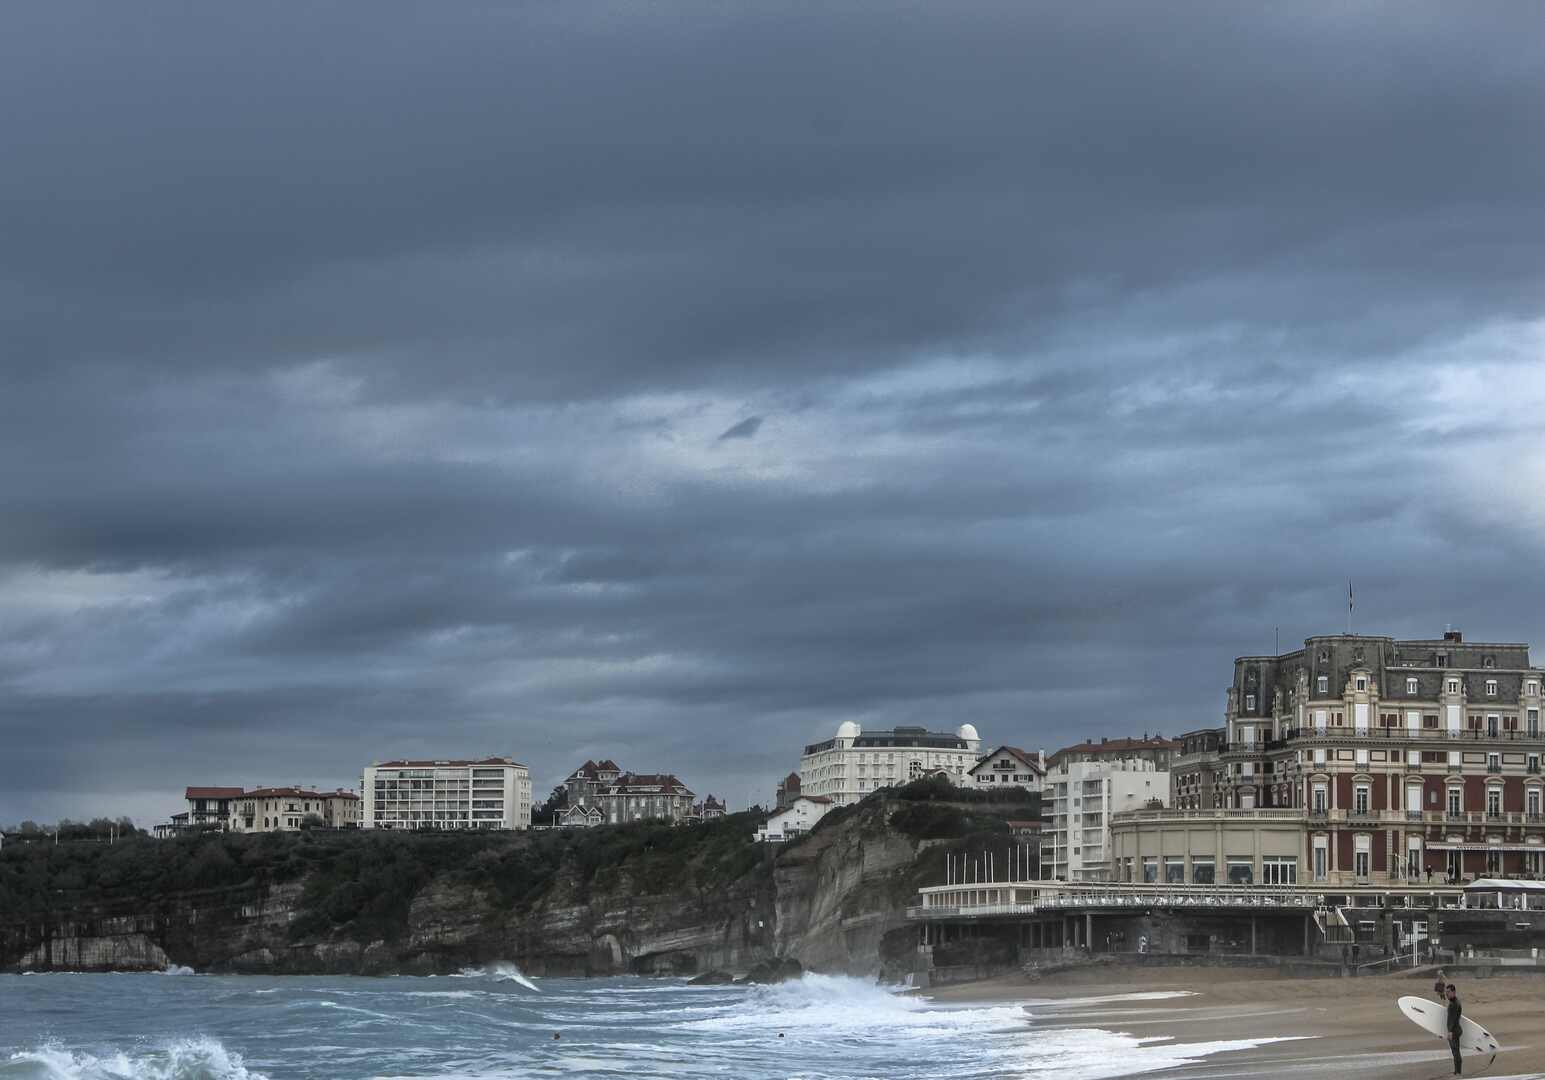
{"x":1338,"y":1027}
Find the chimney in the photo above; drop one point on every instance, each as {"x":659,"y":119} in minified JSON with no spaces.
{"x":1453,"y":635}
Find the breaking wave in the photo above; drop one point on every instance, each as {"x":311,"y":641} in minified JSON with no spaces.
{"x":501,"y":972}
{"x":184,"y":1059}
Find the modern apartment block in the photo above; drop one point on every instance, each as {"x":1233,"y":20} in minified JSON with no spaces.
{"x":855,"y":763}
{"x":493,"y":793}
{"x":1403,"y":757}
{"x":286,"y":809}
{"x":1085,"y":785}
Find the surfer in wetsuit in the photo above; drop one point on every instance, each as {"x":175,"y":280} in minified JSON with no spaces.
{"x":1455,"y":1012}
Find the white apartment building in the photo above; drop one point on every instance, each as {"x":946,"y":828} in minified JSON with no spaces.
{"x":1084,"y":786}
{"x":856,"y":763}
{"x":494,"y":793}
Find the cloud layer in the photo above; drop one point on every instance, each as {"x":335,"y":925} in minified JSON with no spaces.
{"x":672,"y":383}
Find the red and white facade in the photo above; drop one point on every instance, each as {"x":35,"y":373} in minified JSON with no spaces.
{"x":1404,"y":758}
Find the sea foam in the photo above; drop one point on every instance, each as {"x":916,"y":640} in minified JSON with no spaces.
{"x":183,"y":1059}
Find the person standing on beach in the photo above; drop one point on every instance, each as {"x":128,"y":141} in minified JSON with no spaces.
{"x":1441,"y":986}
{"x":1455,"y":1013}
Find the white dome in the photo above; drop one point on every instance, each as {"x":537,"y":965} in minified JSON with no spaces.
{"x":848,"y":730}
{"x":968,"y":733}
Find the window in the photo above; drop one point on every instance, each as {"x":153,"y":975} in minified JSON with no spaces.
{"x":1250,"y":701}
{"x":1241,"y":870}
{"x":1453,"y":686}
{"x":1279,"y":870}
{"x":1493,"y":762}
{"x":1494,"y":863}
{"x":1429,"y":720}
{"x":1174,"y":870}
{"x":1150,"y":870}
{"x":1414,"y":858}
{"x":1360,"y":799}
{"x":1323,"y":684}
{"x":1443,"y":659}
{"x":1319,"y":798}
{"x":1455,"y":796}
{"x":1321,"y":862}
{"x":1532,"y":802}
{"x":1202,"y":872}
{"x":1532,"y":687}
{"x":1491,"y":687}
{"x":1362,"y":683}
{"x":1362,"y":856}
{"x":1411,"y":686}
{"x":1493,"y":802}
{"x":1534,"y":722}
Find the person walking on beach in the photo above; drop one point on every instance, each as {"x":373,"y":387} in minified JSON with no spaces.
{"x":1455,"y":1012}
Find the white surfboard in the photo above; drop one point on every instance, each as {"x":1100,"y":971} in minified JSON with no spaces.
{"x":1433,"y":1016}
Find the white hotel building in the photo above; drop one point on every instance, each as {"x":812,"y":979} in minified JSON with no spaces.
{"x":855,"y":763}
{"x":494,"y":793}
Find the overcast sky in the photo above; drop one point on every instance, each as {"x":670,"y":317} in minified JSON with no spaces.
{"x":671,"y":382}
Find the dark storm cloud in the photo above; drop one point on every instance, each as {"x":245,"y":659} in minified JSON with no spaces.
{"x":393,"y":380}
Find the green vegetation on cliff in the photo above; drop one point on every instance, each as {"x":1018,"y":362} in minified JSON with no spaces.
{"x":363,"y":883}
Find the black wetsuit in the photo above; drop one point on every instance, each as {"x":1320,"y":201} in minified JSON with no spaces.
{"x":1454,"y":1013}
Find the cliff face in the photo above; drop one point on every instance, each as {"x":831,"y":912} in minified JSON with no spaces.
{"x":832,"y":901}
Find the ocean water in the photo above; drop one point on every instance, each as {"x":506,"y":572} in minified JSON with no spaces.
{"x":495,"y":1022}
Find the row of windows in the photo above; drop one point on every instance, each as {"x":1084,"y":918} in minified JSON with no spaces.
{"x":1322,"y":687}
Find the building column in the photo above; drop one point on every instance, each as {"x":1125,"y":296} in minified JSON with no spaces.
{"x":1089,"y":930}
{"x":1252,"y":935}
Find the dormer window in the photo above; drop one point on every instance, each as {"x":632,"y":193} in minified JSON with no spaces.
{"x":1362,"y":683}
{"x":1453,"y":686}
{"x":1489,"y":661}
{"x":1250,"y":701}
{"x":1324,"y":684}
{"x":1491,"y":687}
{"x":1443,"y":659}
{"x":1324,"y":656}
{"x":1534,"y":687}
{"x":1411,"y":686}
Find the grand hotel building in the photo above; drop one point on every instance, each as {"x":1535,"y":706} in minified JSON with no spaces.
{"x":1387,"y":760}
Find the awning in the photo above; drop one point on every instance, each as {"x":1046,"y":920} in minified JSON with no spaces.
{"x":1506,"y":885}
{"x":1442,"y":846}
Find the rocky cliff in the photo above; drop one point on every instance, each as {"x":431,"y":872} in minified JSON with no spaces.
{"x":645,"y":900}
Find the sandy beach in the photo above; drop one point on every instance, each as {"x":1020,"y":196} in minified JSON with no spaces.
{"x":1329,"y":1026}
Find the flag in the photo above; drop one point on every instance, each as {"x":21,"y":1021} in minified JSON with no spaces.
{"x":1349,"y":596}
